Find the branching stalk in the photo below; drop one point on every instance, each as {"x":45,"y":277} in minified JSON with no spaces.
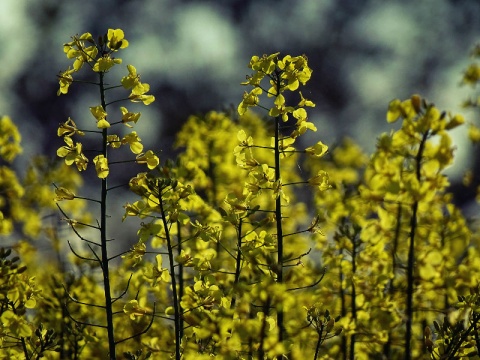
{"x":180,"y":278}
{"x":238,"y":262}
{"x":176,"y":303}
{"x":103,"y":239}
{"x":411,"y":254}
{"x":278,"y":218}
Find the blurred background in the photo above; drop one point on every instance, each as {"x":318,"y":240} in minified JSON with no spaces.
{"x":194,"y":54}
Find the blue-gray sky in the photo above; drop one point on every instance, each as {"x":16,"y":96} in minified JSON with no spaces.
{"x":195,"y":54}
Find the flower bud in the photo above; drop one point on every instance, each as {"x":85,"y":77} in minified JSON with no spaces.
{"x":416,"y":102}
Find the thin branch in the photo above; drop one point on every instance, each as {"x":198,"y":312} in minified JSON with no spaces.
{"x":78,"y":255}
{"x":82,"y":322}
{"x":311,"y":285}
{"x":72,"y":221}
{"x":81,"y":302}
{"x":298,"y":257}
{"x":141,"y":332}
{"x":124,"y":291}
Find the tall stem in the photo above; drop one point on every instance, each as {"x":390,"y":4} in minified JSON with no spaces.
{"x":354,"y":293}
{"x":176,"y":303}
{"x":411,"y":255}
{"x":238,"y":263}
{"x":103,"y":237}
{"x":180,"y":281}
{"x":278,"y":219}
{"x":278,"y":214}
{"x":343,"y":307}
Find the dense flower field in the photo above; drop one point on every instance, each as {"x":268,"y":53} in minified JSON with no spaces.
{"x":250,"y":243}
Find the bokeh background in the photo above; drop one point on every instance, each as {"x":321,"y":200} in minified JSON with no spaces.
{"x":194,"y":54}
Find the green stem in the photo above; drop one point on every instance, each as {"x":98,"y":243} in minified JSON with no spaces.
{"x":278,"y":215}
{"x":176,"y":303}
{"x":238,"y":262}
{"x":317,"y":347}
{"x":354,"y":294}
{"x":24,"y":347}
{"x":411,"y":255}
{"x":278,"y":219}
{"x":103,"y":239}
{"x":180,"y":279}
{"x":343,"y":306}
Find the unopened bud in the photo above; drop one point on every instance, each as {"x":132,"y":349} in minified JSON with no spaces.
{"x":416,"y":102}
{"x":330,"y":325}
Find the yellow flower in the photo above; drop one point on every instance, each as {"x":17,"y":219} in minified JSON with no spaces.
{"x":133,"y":309}
{"x":63,"y":194}
{"x":146,"y":99}
{"x":148,"y":158}
{"x":265,"y":64}
{"x":278,"y":191}
{"x":321,"y":180}
{"x":317,"y":150}
{"x":158,"y":273}
{"x":285,"y":145}
{"x":295,"y":71}
{"x":280,"y":108}
{"x":135,"y":209}
{"x":474,"y":134}
{"x":134,"y":141}
{"x":300,"y":114}
{"x":132,"y":79}
{"x":105,"y":63}
{"x":129,"y":116}
{"x":455,"y":121}
{"x":73,"y":154}
{"x":9,"y":139}
{"x":69,"y":128}
{"x":136,"y":253}
{"x":139,"y":89}
{"x":65,"y":79}
{"x":114,"y":141}
{"x":472,"y":75}
{"x":76,"y":49}
{"x":116,"y":39}
{"x":249,"y":99}
{"x":304,"y":102}
{"x":100,"y":114}
{"x":101,"y":166}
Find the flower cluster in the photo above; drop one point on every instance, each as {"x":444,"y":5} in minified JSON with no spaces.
{"x":9,"y":139}
{"x":98,"y":55}
{"x":284,"y":74}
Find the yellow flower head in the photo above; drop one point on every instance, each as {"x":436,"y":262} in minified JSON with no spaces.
{"x":100,"y":114}
{"x":101,"y":166}
{"x":116,"y":39}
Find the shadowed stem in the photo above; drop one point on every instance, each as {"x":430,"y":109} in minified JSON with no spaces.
{"x":411,"y":254}
{"x":278,"y":213}
{"x":238,"y":262}
{"x":176,"y":302}
{"x":103,"y":238}
{"x":278,"y":219}
{"x":354,"y":293}
{"x":180,"y":280}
